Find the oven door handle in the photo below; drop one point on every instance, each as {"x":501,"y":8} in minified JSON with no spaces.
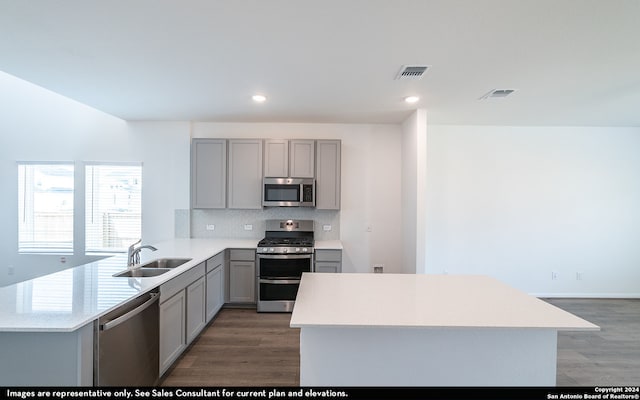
{"x":285,"y":256}
{"x":280,"y":281}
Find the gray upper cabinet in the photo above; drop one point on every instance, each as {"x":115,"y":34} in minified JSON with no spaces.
{"x":302,"y":158}
{"x":245,"y":174}
{"x":276,"y":158}
{"x":289,"y":158}
{"x":328,"y":174}
{"x":208,"y":173}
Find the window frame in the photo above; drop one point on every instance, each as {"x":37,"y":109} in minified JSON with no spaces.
{"x":48,"y":247}
{"x":86,"y":214}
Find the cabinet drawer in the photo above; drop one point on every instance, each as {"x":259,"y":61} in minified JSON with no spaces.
{"x":181,"y":281}
{"x":242,"y":255}
{"x":329,"y":255}
{"x":215,"y":261}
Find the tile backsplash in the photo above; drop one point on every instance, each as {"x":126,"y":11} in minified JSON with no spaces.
{"x":235,"y":223}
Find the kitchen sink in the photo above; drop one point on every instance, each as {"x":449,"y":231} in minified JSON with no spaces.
{"x":153,"y":268}
{"x":141,"y":272}
{"x":163,"y":263}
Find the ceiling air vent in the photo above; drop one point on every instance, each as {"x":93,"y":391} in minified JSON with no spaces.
{"x":497,"y":94}
{"x":411,"y":72}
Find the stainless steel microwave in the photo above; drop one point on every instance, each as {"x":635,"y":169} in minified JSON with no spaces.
{"x":289,"y":192}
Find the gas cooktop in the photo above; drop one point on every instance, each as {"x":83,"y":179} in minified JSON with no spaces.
{"x":288,"y":236}
{"x":283,"y":242}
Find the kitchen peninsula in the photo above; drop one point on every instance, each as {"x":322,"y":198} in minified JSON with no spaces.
{"x":47,"y":323}
{"x":425,"y":330}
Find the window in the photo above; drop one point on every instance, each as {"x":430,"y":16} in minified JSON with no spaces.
{"x":113,"y":207}
{"x":45,"y":208}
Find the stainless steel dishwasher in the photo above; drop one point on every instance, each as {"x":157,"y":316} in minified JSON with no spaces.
{"x":126,"y":350}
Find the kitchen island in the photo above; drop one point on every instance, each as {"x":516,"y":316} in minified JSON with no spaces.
{"x":425,"y":330}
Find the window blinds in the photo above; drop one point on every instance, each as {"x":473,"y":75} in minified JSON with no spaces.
{"x":113,"y":207}
{"x":45,"y":208}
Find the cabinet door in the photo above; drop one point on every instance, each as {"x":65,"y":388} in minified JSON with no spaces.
{"x":242,"y":281}
{"x":208,"y":173}
{"x":195,"y":309}
{"x":324,"y":266}
{"x":302,"y":159}
{"x":328,"y":175}
{"x":215,"y":292}
{"x":172,"y":330}
{"x":276,"y":158}
{"x":245,"y":174}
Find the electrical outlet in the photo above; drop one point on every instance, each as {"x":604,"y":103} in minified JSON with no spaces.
{"x":326,"y":228}
{"x":369,"y":228}
{"x":579,"y":276}
{"x":378,"y":268}
{"x":248,"y":227}
{"x":211,"y":227}
{"x":554,"y":275}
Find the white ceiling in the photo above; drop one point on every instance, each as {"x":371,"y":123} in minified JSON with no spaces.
{"x":573,"y":62}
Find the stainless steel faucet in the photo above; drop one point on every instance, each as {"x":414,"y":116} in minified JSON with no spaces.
{"x":133,"y":253}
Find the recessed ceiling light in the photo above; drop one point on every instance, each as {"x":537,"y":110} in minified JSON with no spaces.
{"x":258,"y":98}
{"x":411,"y":99}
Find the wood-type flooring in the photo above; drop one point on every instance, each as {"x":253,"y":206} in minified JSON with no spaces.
{"x":244,"y":348}
{"x":241,"y":347}
{"x":610,"y":357}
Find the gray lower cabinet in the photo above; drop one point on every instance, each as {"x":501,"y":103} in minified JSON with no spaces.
{"x":245,"y":174}
{"x":215,"y":285}
{"x":196,"y":301}
{"x":328,"y":261}
{"x":182,"y":313}
{"x":208,"y":173}
{"x":328,"y":174}
{"x":172,"y":330}
{"x":242,"y":276}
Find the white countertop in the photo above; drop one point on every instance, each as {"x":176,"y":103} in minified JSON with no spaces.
{"x":327,"y":245}
{"x":67,"y":300}
{"x":423,"y":301}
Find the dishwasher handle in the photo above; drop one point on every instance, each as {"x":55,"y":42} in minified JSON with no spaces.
{"x":125,"y":317}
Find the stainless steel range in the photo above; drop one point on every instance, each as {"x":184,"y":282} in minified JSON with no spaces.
{"x":283,"y":256}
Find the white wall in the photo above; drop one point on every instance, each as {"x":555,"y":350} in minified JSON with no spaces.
{"x":39,"y":125}
{"x":517,"y":203}
{"x":414,"y":165}
{"x":371,"y":173}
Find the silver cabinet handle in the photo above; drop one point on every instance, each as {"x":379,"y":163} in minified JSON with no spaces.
{"x":280,"y":281}
{"x":115,"y":322}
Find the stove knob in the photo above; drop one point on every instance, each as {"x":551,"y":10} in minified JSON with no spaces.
{"x":271,"y":249}
{"x":285,"y":250}
{"x":304,"y":249}
{"x":297,"y":249}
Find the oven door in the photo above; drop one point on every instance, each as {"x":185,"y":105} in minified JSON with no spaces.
{"x":278,"y":289}
{"x":278,"y":280}
{"x":287,"y":266}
